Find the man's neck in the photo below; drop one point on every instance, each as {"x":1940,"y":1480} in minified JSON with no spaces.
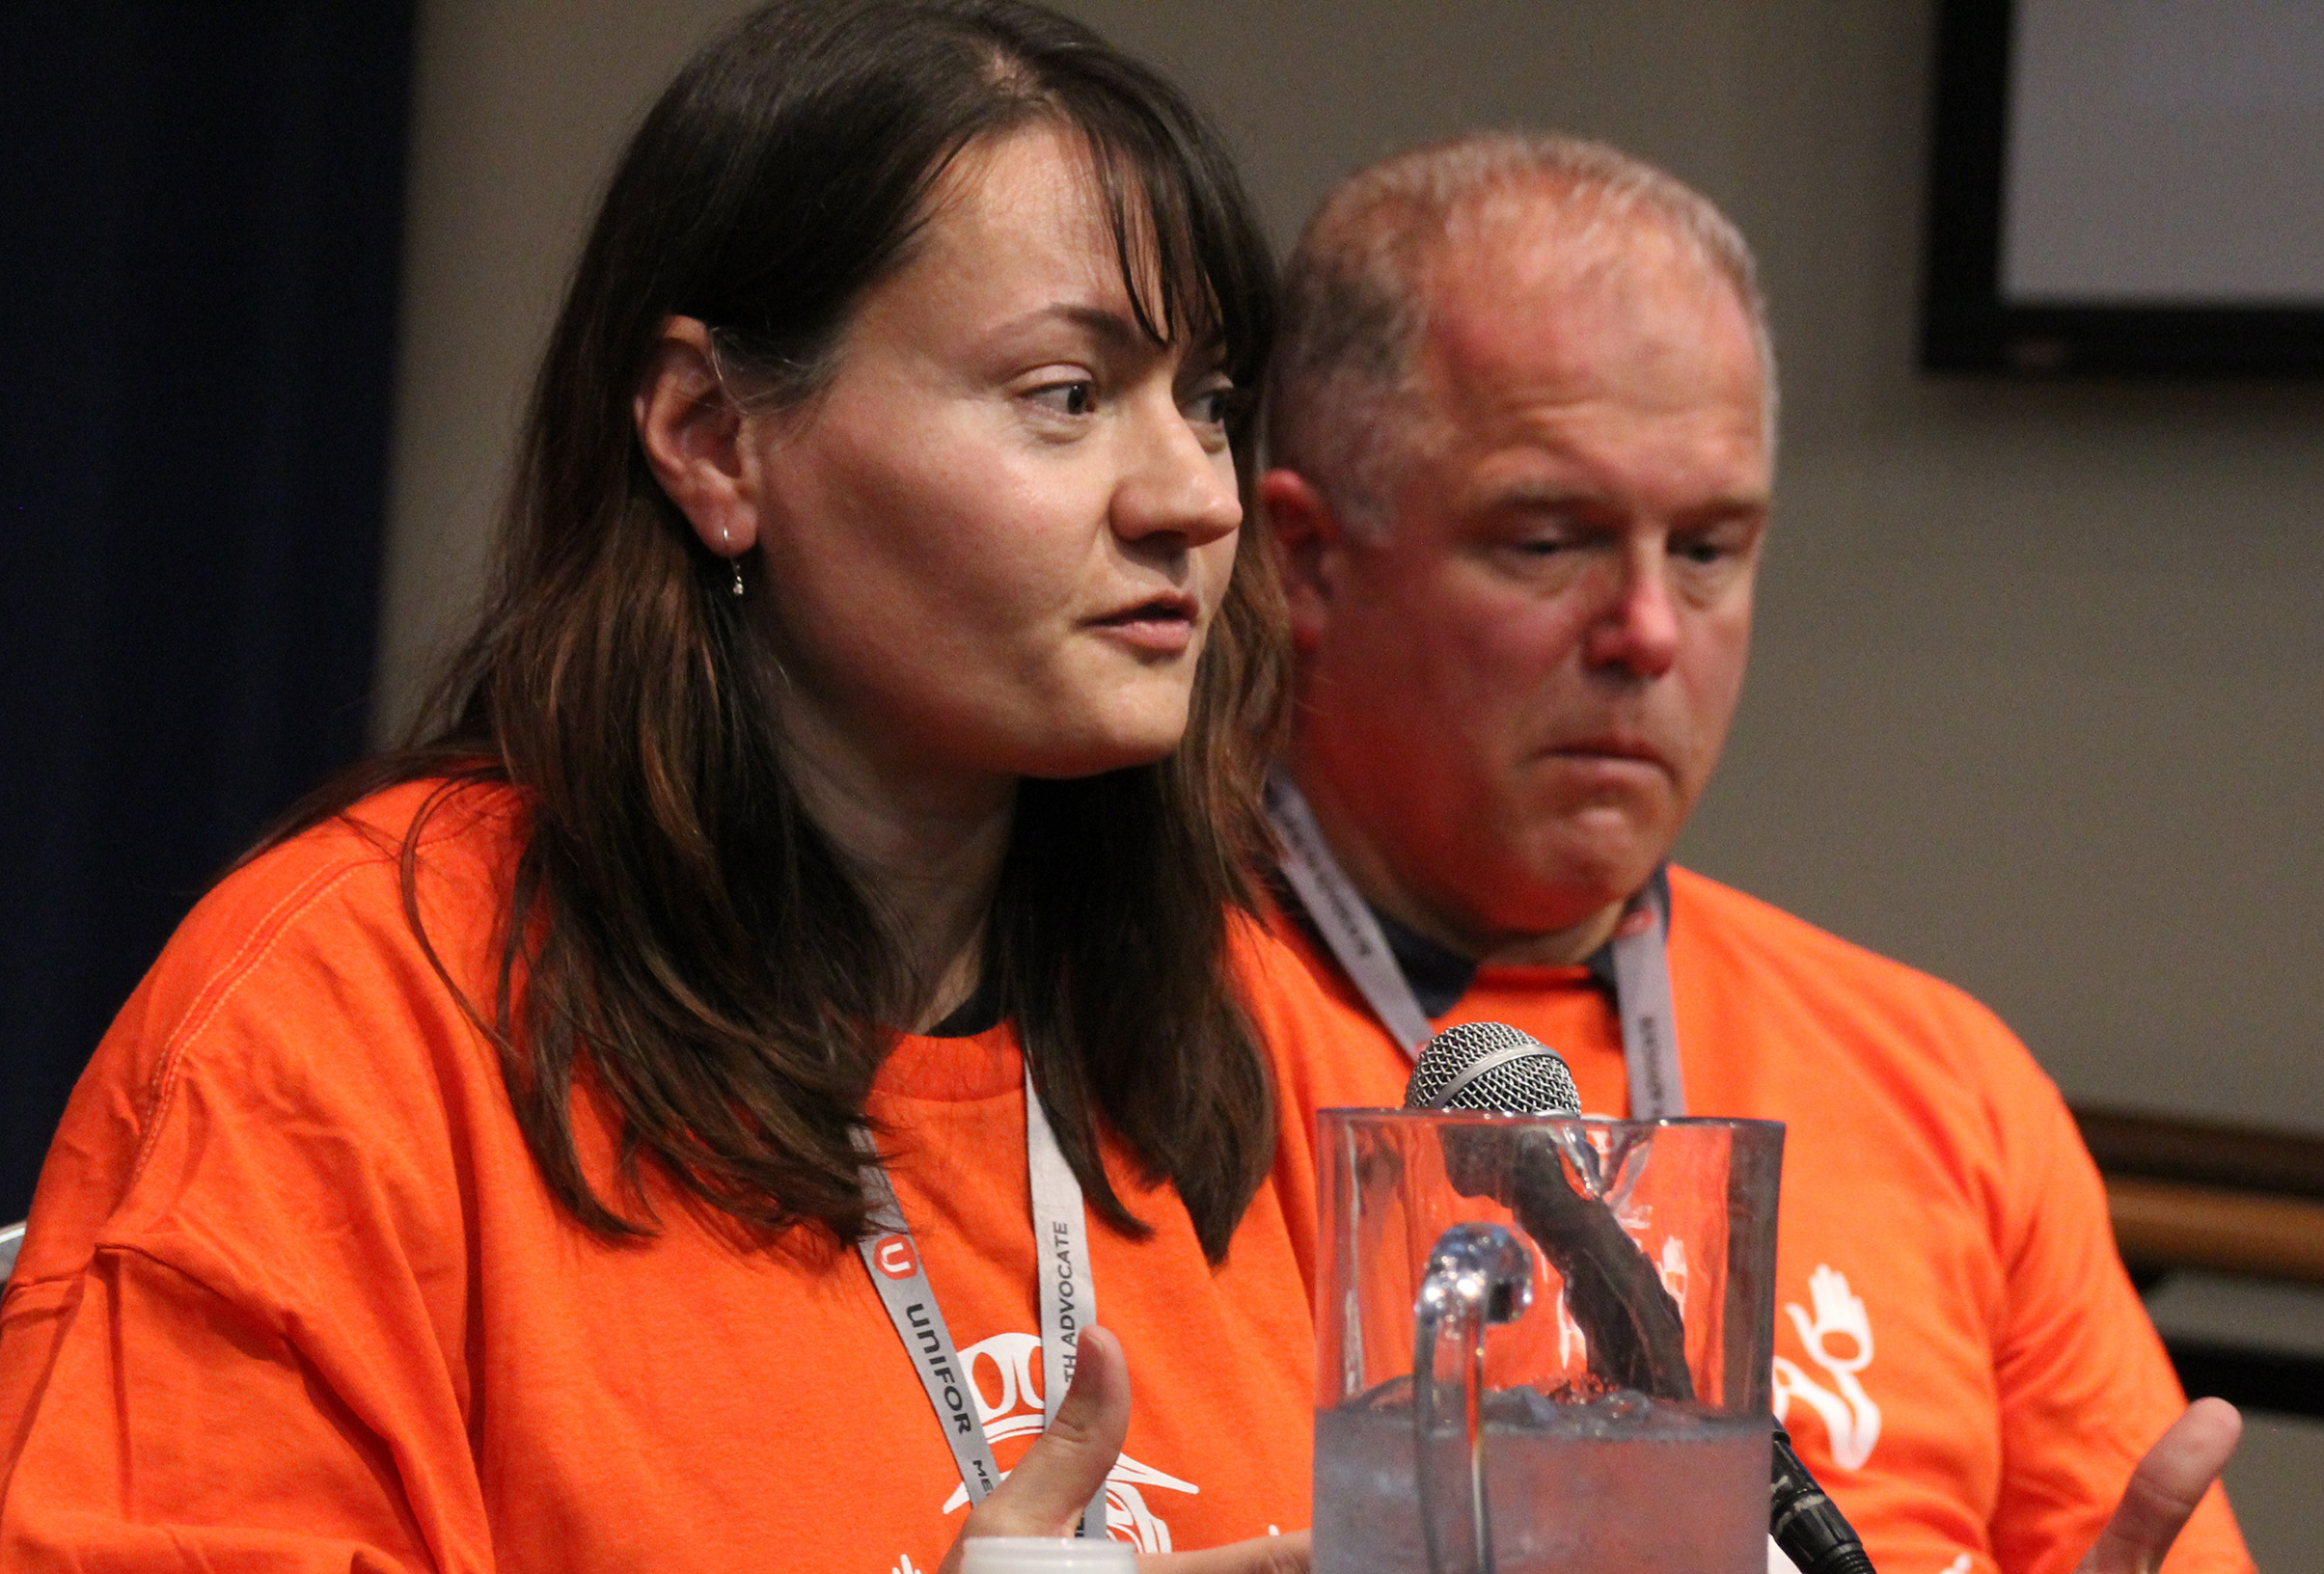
{"x":1558,"y":948}
{"x":1442,"y":920}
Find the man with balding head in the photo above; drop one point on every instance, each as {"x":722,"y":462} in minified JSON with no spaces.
{"x":1522,"y":421}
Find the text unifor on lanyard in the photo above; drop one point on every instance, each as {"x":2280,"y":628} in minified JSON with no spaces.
{"x":1067,"y":1301}
{"x":1650,"y":1040}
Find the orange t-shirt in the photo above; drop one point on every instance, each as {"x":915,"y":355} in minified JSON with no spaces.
{"x":1961,"y":1359}
{"x":295,"y":1297}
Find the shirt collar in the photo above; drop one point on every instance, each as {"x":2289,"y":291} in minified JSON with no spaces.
{"x":1440,"y":976}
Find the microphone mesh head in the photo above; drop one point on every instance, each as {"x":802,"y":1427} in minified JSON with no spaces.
{"x":1533,"y":1083}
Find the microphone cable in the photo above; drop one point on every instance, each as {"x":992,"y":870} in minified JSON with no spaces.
{"x":1808,"y":1526}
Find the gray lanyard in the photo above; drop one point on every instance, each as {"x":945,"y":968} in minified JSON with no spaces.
{"x":1067,"y":1301}
{"x":1642,"y":998}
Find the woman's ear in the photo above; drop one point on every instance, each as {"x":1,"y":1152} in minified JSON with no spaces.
{"x":693,"y":433}
{"x":1308,"y":543}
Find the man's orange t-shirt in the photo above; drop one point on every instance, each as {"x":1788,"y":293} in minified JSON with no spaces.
{"x":294,"y":1296}
{"x":1961,"y":1359}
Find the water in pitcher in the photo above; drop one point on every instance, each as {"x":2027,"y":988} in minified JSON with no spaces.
{"x":1618,"y":1485}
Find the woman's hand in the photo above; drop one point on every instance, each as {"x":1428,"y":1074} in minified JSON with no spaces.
{"x":2164,"y":1490}
{"x":1260,"y":1554}
{"x":1066,"y":1467}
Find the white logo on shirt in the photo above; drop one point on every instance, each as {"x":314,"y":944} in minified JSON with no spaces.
{"x":1852,"y":1420}
{"x":1014,"y":1360}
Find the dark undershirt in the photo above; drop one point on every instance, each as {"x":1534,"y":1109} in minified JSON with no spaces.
{"x":979,"y":1012}
{"x":1439,"y":975}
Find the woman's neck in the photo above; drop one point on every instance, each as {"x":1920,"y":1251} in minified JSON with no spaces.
{"x":927,"y":845}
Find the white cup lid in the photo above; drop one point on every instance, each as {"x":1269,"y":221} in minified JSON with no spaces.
{"x":1045,"y":1554}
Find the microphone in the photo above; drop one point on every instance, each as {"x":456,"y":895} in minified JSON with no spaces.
{"x":1635,"y":1337}
{"x":1493,"y":1067}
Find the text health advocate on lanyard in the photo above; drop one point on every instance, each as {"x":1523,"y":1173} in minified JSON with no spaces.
{"x":1067,"y":1301}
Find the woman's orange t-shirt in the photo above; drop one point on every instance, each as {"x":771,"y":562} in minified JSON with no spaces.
{"x":294,"y":1296}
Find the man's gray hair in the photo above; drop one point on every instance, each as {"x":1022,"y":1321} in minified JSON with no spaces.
{"x":1343,"y":368}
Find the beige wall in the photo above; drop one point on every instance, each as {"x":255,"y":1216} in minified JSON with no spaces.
{"x":2038,"y":701}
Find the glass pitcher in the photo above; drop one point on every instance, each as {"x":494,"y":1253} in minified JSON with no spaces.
{"x":1544,"y":1342}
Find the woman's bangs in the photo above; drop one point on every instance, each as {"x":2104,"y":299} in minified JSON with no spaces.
{"x":1187,"y":265}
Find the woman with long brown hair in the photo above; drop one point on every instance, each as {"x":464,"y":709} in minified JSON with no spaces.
{"x":591,"y":1137}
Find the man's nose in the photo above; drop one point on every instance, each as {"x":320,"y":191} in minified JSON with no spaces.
{"x":1172,"y":483}
{"x":1637,"y":629}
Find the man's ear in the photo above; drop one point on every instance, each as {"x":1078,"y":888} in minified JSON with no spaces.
{"x":1309,"y":543}
{"x":691,"y":432}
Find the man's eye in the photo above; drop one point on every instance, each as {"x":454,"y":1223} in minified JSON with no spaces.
{"x":1075,"y":398}
{"x":1701,"y":549}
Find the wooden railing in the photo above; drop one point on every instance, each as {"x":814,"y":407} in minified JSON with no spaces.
{"x":2200,"y":1194}
{"x":2166,"y":1224}
{"x":2197,"y":1194}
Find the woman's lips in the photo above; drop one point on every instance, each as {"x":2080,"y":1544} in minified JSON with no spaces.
{"x":1164,"y":625}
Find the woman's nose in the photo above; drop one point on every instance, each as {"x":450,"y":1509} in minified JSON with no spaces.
{"x":1172,"y":481}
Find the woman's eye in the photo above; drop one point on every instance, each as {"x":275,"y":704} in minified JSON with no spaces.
{"x":1075,"y":398}
{"x":1212,"y":406}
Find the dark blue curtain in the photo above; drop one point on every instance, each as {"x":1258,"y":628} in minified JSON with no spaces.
{"x":200,"y":214}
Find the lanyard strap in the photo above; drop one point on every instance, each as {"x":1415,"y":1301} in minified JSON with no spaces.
{"x":1344,"y":917}
{"x":1068,"y":1295}
{"x":1642,"y":996}
{"x":1650,"y":1031}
